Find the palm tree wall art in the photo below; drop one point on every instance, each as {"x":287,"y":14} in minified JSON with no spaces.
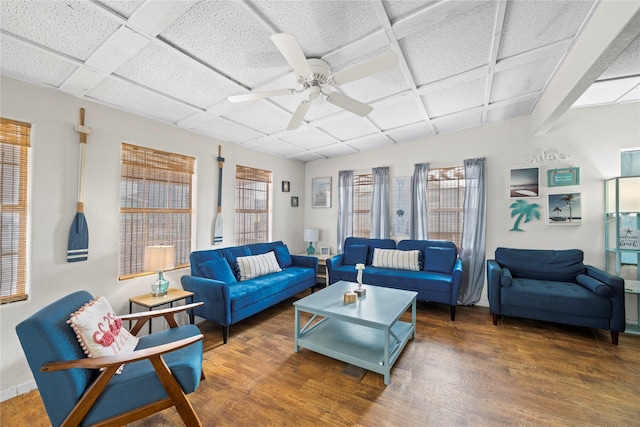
{"x":523,"y":210}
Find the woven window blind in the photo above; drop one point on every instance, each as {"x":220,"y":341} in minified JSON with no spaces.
{"x":155,"y":206}
{"x":362,"y":189}
{"x":445,"y":203}
{"x":14,"y":164}
{"x":252,"y":205}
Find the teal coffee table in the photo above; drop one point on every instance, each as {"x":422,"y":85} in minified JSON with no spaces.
{"x":366,"y":333}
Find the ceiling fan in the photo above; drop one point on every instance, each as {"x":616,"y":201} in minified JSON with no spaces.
{"x":315,"y":77}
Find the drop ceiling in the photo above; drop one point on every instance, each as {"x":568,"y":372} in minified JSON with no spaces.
{"x":462,"y":64}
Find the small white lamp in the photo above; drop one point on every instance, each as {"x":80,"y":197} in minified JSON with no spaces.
{"x":159,"y":258}
{"x":311,"y":235}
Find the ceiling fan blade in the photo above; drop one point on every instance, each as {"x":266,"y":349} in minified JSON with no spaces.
{"x":292,"y":52}
{"x":298,"y":115}
{"x":259,"y":95}
{"x":349,"y":104}
{"x":367,"y":68}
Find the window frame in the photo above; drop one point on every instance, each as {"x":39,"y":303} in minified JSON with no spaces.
{"x":440,"y":206}
{"x":361,"y":214}
{"x":252,"y":181}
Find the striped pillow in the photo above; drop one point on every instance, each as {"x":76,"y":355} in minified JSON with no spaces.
{"x":394,"y":258}
{"x":254,"y":266}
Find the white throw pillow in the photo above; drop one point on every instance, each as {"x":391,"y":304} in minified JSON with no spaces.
{"x":100,"y":331}
{"x":254,"y":266}
{"x":394,"y":258}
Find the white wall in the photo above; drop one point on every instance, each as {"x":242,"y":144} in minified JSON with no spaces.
{"x":592,"y":137}
{"x":53,"y":186}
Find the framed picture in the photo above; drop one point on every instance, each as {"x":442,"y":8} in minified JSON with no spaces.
{"x":524,"y":183}
{"x":285,"y":186}
{"x":294,"y":201}
{"x":321,"y":192}
{"x":564,"y":209}
{"x":566,"y":176}
{"x":324,"y":250}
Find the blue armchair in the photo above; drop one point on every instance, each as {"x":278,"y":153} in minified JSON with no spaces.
{"x":163,"y":368}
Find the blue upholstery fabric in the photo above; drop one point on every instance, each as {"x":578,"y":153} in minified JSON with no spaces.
{"x":555,"y":286}
{"x":283,"y":256}
{"x":440,"y":260}
{"x":218,"y":269}
{"x":355,"y":254}
{"x":231,"y":255}
{"x":227,"y":303}
{"x":45,"y":337}
{"x":371,"y":243}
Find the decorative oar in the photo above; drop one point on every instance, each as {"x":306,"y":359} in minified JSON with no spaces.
{"x":217,"y":228}
{"x":78,"y":246}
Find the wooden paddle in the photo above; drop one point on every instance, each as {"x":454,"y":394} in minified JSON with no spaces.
{"x":78,"y":245}
{"x":217,"y":228}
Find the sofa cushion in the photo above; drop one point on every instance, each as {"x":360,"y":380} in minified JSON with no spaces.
{"x":231,"y":255}
{"x":507,"y":279}
{"x":560,"y":265}
{"x":283,"y":256}
{"x":218,"y":269}
{"x":254,"y":266}
{"x":355,"y":254}
{"x":396,"y":259}
{"x":439,"y":259}
{"x":594,"y":285}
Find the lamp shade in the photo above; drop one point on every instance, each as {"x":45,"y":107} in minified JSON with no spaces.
{"x":311,"y":234}
{"x":159,"y":258}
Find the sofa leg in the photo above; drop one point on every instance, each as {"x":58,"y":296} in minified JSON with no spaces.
{"x":225,"y":334}
{"x":495,"y":318}
{"x":614,"y":337}
{"x":453,"y":313}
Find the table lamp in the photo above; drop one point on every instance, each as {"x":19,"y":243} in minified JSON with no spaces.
{"x":159,"y":258}
{"x":311,"y":235}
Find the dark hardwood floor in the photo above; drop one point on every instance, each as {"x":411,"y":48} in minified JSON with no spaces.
{"x":463,"y":373}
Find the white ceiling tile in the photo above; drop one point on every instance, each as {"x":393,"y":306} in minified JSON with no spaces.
{"x":377,"y":86}
{"x":456,"y":122}
{"x":124,"y":8}
{"x":227,"y":131}
{"x":75,"y":28}
{"x":532,"y":24}
{"x":167,"y":71}
{"x":133,"y":98}
{"x":369,"y":142}
{"x":405,"y":111}
{"x":307,"y":138}
{"x":451,"y":47}
{"x":526,"y":78}
{"x":276,"y":146}
{"x":348,"y":127}
{"x":632,"y":96}
{"x":397,"y":9}
{"x":223,"y":35}
{"x":607,"y":92}
{"x":460,"y":97}
{"x":627,"y":63}
{"x":260,"y":115}
{"x":320,"y":26}
{"x":410,"y":132}
{"x":510,"y":109}
{"x":335,"y":150}
{"x":28,"y":63}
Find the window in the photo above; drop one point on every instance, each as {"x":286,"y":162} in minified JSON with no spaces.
{"x":253,"y":213}
{"x":445,"y":203}
{"x":362,"y":189}
{"x":155,"y":206}
{"x":14,"y":164}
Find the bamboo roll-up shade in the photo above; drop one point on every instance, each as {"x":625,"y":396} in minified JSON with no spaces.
{"x":362,"y":190}
{"x":445,"y":202}
{"x":252,"y":205}
{"x":14,"y":163}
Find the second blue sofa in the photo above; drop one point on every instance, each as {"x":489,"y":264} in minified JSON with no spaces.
{"x":437,"y":280}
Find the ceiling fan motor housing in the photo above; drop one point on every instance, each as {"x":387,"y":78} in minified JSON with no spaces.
{"x":321,"y":72}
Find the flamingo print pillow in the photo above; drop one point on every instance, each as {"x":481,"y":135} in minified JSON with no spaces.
{"x":100,"y":331}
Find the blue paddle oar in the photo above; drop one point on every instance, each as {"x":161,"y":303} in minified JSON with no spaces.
{"x":78,"y":245}
{"x":217,"y":228}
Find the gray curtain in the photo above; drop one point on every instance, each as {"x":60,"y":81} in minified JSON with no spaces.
{"x":345,"y":207}
{"x":419,"y":228}
{"x":473,"y":232}
{"x":380,"y":223}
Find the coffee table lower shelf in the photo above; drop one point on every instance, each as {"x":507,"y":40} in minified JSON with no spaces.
{"x":359,"y":345}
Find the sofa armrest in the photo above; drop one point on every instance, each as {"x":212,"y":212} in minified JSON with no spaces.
{"x":305,"y":261}
{"x":214,"y":294}
{"x":333,"y":263}
{"x":618,"y":321}
{"x":455,"y":281}
{"x":494,"y":274}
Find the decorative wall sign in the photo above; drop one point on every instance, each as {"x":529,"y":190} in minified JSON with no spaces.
{"x":546,"y":156}
{"x":321,"y":192}
{"x":294,"y":201}
{"x":524,"y":182}
{"x":400,"y":205}
{"x":523,"y":210}
{"x":565,"y":209}
{"x":629,"y":238}
{"x":285,"y":186}
{"x":565,"y":176}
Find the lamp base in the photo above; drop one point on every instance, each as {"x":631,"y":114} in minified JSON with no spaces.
{"x":311,"y":250}
{"x":160,"y":286}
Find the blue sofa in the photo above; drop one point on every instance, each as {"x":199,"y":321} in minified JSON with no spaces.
{"x":437,"y":280}
{"x":227,"y":300}
{"x":555,"y":286}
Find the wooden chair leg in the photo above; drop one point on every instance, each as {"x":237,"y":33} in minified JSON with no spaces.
{"x":175,"y":392}
{"x":614,"y":337}
{"x":495,"y":318}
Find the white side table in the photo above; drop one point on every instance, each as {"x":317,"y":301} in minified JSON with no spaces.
{"x":323,"y":274}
